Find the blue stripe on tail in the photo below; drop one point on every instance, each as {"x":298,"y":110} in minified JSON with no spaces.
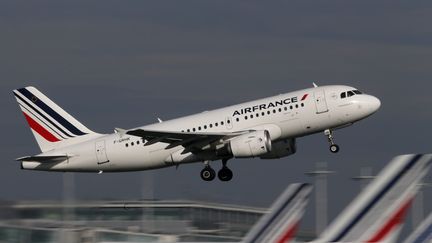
{"x":42,"y":115}
{"x":66,"y":124}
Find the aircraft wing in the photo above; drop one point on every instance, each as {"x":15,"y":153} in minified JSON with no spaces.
{"x":184,"y":139}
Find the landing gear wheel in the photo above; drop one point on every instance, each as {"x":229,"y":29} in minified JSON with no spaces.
{"x":334,"y":148}
{"x":208,"y":174}
{"x":225,"y":174}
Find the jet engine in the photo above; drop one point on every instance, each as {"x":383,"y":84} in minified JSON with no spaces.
{"x":252,"y":144}
{"x":281,"y":149}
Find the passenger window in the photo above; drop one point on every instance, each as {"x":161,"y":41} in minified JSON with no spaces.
{"x":251,"y":116}
{"x":291,"y":107}
{"x":211,"y":125}
{"x":188,"y":130}
{"x":222,"y":123}
{"x":194,"y":129}
{"x":246,"y":117}
{"x":228,"y":121}
{"x":205,"y":126}
{"x":268,"y":112}
{"x":274,"y":111}
{"x":343,"y":95}
{"x":280,"y":109}
{"x":257,"y":115}
{"x":199,"y":128}
{"x":237,"y":119}
{"x":132,"y":144}
{"x":263,"y":113}
{"x":350,"y":93}
{"x":216,"y":124}
{"x":296,"y":105}
{"x":285,"y":108}
{"x":302,"y":104}
{"x":138,"y":142}
{"x":127,"y":145}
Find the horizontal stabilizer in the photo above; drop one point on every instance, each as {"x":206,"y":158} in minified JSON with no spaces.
{"x":44,"y":159}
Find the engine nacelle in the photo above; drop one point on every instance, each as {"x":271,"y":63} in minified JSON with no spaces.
{"x":281,"y":149}
{"x":252,"y":144}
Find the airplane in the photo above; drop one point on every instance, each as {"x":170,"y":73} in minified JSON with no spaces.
{"x":377,"y":213}
{"x":423,"y":233}
{"x":265,"y":128}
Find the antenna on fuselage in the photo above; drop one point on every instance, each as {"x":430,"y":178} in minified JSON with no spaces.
{"x":314,"y":84}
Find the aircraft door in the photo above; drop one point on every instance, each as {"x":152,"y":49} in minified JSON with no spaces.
{"x":228,"y":123}
{"x":101,"y":152}
{"x":320,"y":101}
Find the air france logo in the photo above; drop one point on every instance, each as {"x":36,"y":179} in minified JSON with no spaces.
{"x":269,"y":105}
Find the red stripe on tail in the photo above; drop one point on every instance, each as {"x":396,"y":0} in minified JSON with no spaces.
{"x":41,"y":130}
{"x":393,"y":222}
{"x":289,"y":234}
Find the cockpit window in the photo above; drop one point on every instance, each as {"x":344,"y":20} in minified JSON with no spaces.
{"x":350,"y":93}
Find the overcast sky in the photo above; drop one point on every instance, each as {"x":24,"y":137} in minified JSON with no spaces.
{"x":125,"y":63}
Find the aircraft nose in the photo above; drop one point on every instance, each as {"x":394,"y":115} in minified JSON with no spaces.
{"x":374,"y":104}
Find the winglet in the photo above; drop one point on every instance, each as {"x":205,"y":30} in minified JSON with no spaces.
{"x":159,"y":120}
{"x":315,"y":85}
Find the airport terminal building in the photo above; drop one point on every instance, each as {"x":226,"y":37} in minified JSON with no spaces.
{"x":134,"y":221}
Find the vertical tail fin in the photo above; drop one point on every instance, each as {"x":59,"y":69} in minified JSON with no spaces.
{"x":423,"y":234}
{"x":51,"y":125}
{"x":377,"y":214}
{"x":280,"y":224}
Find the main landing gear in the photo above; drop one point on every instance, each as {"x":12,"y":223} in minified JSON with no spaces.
{"x":224,"y":174}
{"x":334,"y":148}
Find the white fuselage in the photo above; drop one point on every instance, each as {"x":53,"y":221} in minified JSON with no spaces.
{"x":284,"y":116}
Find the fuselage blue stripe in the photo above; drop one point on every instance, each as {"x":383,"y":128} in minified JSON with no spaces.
{"x":377,"y":198}
{"x":42,"y":115}
{"x":277,"y":213}
{"x":51,"y":112}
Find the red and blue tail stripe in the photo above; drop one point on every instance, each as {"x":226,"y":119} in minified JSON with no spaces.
{"x":50,"y":124}
{"x":29,"y":114}
{"x":22,"y":101}
{"x":48,"y":110}
{"x":404,"y":170}
{"x":40,"y":129}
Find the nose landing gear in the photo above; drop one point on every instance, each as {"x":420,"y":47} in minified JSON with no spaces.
{"x":334,"y":148}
